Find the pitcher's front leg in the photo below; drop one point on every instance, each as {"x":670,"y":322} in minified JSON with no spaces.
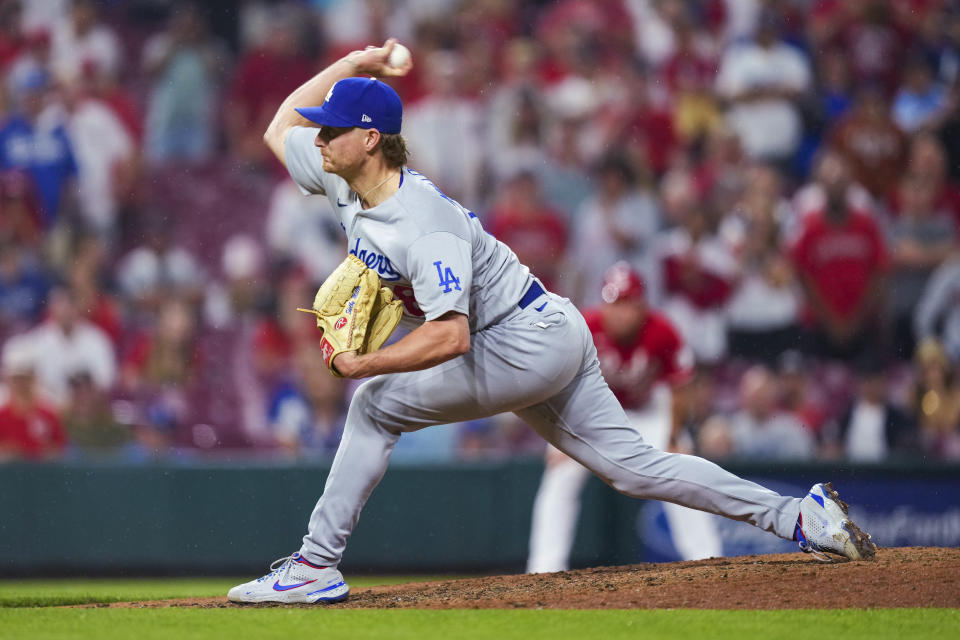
{"x":360,"y":463}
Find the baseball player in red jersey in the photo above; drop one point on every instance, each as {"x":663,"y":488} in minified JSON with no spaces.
{"x":643,"y":359}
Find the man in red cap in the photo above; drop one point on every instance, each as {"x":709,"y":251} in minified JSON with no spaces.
{"x":643,"y":359}
{"x":29,"y":429}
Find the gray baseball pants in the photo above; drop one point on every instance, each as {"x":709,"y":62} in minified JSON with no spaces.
{"x":541,"y":365}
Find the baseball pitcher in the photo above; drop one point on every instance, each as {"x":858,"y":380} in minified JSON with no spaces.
{"x":486,"y":338}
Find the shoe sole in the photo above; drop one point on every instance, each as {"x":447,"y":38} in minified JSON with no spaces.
{"x":269,"y":601}
{"x":858,"y":545}
{"x":332,"y":600}
{"x":337,"y":597}
{"x":304,"y":599}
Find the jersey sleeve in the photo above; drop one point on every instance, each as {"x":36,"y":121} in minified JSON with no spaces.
{"x":305,"y":163}
{"x":441,"y":271}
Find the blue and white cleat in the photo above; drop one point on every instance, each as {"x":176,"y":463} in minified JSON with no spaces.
{"x":293,"y":579}
{"x":825,"y":527}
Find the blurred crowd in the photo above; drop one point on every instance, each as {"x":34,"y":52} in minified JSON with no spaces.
{"x":784,"y":174}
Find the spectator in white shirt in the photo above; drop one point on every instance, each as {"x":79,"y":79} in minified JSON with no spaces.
{"x":42,"y":15}
{"x":938,"y":313}
{"x":157,"y":267}
{"x":762,"y":312}
{"x":438,"y":125}
{"x":105,"y":150}
{"x":620,"y":222}
{"x":762,"y":431}
{"x":81,"y":38}
{"x":871,"y":429}
{"x":762,"y":82}
{"x":303,"y":230}
{"x":66,"y":345}
{"x":186,"y":65}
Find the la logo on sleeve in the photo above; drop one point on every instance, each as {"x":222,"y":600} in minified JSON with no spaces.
{"x":447,"y":279}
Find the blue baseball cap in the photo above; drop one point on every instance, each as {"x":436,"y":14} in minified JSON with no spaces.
{"x":32,"y":79}
{"x":358,"y":102}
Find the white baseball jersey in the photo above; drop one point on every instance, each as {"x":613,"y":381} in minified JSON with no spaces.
{"x":428,"y":248}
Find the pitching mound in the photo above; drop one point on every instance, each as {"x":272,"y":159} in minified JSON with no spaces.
{"x":904,"y":577}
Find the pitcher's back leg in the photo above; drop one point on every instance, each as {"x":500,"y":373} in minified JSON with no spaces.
{"x":586,"y":422}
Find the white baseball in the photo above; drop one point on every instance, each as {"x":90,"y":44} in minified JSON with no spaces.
{"x":399,"y":56}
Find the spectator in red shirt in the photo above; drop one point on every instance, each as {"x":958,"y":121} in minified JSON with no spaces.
{"x":525,"y":223}
{"x":644,"y":128}
{"x":841,"y":258}
{"x":871,"y":142}
{"x":28,"y":428}
{"x":578,"y":36}
{"x":265,"y":76}
{"x":282,"y":333}
{"x":88,"y":278}
{"x":20,"y":219}
{"x":865,"y":30}
{"x":699,"y":274}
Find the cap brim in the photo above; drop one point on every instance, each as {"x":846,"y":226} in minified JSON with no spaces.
{"x":323,"y":116}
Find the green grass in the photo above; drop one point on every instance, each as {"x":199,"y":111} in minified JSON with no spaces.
{"x":25,"y":612}
{"x":146,"y":624}
{"x":48,"y":593}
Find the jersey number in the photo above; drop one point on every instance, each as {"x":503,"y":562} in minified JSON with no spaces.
{"x":447,"y":279}
{"x":405,"y":295}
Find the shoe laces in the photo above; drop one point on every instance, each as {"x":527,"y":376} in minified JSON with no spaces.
{"x":805,"y":545}
{"x":278,"y":566}
{"x":817,"y":554}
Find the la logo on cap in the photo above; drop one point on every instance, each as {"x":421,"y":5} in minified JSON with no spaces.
{"x":329,"y":93}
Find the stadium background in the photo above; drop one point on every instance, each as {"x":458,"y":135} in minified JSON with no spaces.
{"x":183,"y":420}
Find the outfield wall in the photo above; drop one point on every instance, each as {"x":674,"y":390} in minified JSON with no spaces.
{"x":237,"y":518}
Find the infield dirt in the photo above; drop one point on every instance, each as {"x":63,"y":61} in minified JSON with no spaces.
{"x":902,"y":577}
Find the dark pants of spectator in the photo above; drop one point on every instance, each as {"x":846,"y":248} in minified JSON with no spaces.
{"x":764,"y":346}
{"x":863,"y":344}
{"x":903,"y":342}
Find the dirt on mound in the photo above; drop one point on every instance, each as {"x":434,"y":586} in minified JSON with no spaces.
{"x":904,"y":577}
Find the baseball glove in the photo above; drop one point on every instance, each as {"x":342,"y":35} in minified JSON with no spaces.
{"x":354,"y":312}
